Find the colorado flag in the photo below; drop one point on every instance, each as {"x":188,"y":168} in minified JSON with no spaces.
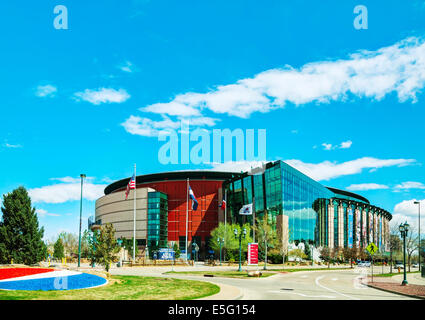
{"x":246,"y":209}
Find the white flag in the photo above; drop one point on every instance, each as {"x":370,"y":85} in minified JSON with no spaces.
{"x":246,"y":209}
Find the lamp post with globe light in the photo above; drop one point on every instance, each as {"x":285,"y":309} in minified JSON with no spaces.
{"x":243,"y":233}
{"x":404,"y":229}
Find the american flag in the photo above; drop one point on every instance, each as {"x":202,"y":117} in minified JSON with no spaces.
{"x":223,"y":203}
{"x":131,"y":185}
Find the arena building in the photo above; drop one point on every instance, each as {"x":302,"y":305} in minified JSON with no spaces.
{"x":301,"y":209}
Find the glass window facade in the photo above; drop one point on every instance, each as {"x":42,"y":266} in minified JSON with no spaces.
{"x":157,"y":219}
{"x":283,"y":190}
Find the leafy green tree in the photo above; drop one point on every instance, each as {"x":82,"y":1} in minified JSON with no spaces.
{"x":20,"y":235}
{"x":298,"y":254}
{"x":59,"y":251}
{"x":266,"y":235}
{"x":106,"y":246}
{"x":231,"y":243}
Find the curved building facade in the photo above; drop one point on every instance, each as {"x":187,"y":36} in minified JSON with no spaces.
{"x":301,"y":209}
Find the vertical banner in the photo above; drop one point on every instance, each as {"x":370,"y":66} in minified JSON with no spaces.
{"x":380,"y":233}
{"x":357,"y":228}
{"x":364,"y":228}
{"x":252,"y":254}
{"x":350,"y":227}
{"x":370,"y":228}
{"x":375,"y":229}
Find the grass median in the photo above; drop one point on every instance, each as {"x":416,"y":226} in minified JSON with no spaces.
{"x":125,"y":288}
{"x":225,"y":274}
{"x":244,"y":274}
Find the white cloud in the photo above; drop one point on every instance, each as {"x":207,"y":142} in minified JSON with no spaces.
{"x":41,"y":213}
{"x":346,"y":144}
{"x":237,"y":166}
{"x":343,"y":145}
{"x":45,"y":91}
{"x":327,"y":170}
{"x":127,"y":66}
{"x":399,"y":68}
{"x":327,"y":146}
{"x":103,"y":95}
{"x":366,"y":186}
{"x":71,"y":179}
{"x":63,"y":192}
{"x":410,"y":185}
{"x":12,"y":146}
{"x":408,"y":211}
{"x":147,"y":127}
{"x":150,"y":128}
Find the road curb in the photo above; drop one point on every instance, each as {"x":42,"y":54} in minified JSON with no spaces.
{"x":396,"y":292}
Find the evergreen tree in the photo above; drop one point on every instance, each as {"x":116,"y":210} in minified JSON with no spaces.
{"x":176,"y":251}
{"x":20,"y":236}
{"x":307,"y":251}
{"x":59,"y":250}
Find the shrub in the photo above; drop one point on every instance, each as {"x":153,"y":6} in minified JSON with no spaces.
{"x":275,"y":258}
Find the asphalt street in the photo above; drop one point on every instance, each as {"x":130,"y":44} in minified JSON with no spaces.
{"x":302,"y":285}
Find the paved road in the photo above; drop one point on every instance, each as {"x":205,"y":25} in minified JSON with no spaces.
{"x":303,"y":285}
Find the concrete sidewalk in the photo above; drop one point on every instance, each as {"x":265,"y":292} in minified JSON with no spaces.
{"x":412,"y":278}
{"x":227,"y":292}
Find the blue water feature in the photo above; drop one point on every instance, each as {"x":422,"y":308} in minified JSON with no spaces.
{"x":78,"y":281}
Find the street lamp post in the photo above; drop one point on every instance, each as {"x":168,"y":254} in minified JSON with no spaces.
{"x":243,"y":233}
{"x":81,"y":213}
{"x":404,"y":229}
{"x":220,"y":241}
{"x":419,"y":231}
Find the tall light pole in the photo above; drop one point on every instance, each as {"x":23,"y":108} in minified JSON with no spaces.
{"x":404,"y":229}
{"x":82,"y":176}
{"x":419,"y":231}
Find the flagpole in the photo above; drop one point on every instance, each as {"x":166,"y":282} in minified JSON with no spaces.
{"x":225,"y":216}
{"x":134,"y":217}
{"x":187,"y":213}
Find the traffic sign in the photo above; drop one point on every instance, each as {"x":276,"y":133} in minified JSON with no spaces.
{"x":372,"y":248}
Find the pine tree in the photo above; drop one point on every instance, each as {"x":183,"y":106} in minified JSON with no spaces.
{"x":20,"y":236}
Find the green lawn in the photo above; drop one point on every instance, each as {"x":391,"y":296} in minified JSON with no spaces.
{"x":392,"y":274}
{"x":307,"y":269}
{"x":125,"y":288}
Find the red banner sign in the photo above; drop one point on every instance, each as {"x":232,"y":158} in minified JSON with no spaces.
{"x":252,"y":253}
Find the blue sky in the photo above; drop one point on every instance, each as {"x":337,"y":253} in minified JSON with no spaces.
{"x":91,"y":98}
